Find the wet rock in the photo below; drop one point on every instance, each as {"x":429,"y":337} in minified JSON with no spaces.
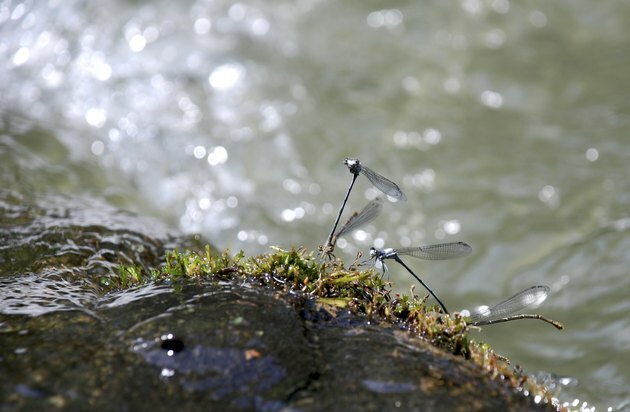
{"x":62,"y":252}
{"x":70,"y":342}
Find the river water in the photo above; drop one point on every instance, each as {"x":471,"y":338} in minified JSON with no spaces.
{"x":505,"y":123}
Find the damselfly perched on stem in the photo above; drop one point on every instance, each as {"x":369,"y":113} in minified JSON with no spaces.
{"x":509,"y":309}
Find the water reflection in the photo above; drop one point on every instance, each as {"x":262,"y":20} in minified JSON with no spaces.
{"x":592,"y":154}
{"x":390,"y":19}
{"x":492,"y":99}
{"x":226,"y":77}
{"x":45,"y":295}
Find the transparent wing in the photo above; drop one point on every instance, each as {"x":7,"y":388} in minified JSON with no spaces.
{"x":383,"y":184}
{"x":528,"y":298}
{"x":442,"y":251}
{"x":369,"y":212}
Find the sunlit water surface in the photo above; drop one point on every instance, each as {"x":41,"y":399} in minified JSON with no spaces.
{"x":505,"y":123}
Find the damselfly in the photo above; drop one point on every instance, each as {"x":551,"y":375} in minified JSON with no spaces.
{"x":383,"y":184}
{"x":440,"y":251}
{"x":509,"y":309}
{"x":356,"y":220}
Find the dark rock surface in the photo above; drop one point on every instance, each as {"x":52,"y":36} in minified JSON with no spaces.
{"x":68,"y":344}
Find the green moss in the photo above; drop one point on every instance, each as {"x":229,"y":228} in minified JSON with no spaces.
{"x":129,"y":276}
{"x":333,"y":285}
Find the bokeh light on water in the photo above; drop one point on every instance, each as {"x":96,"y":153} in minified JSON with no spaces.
{"x":504,"y":122}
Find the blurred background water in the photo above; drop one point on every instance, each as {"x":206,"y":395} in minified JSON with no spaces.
{"x":505,"y":123}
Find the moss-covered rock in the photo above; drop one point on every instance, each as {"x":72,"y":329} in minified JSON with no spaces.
{"x":96,"y":314}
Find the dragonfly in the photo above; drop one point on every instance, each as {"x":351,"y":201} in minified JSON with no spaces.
{"x":441,"y":251}
{"x":383,"y":184}
{"x":509,"y":309}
